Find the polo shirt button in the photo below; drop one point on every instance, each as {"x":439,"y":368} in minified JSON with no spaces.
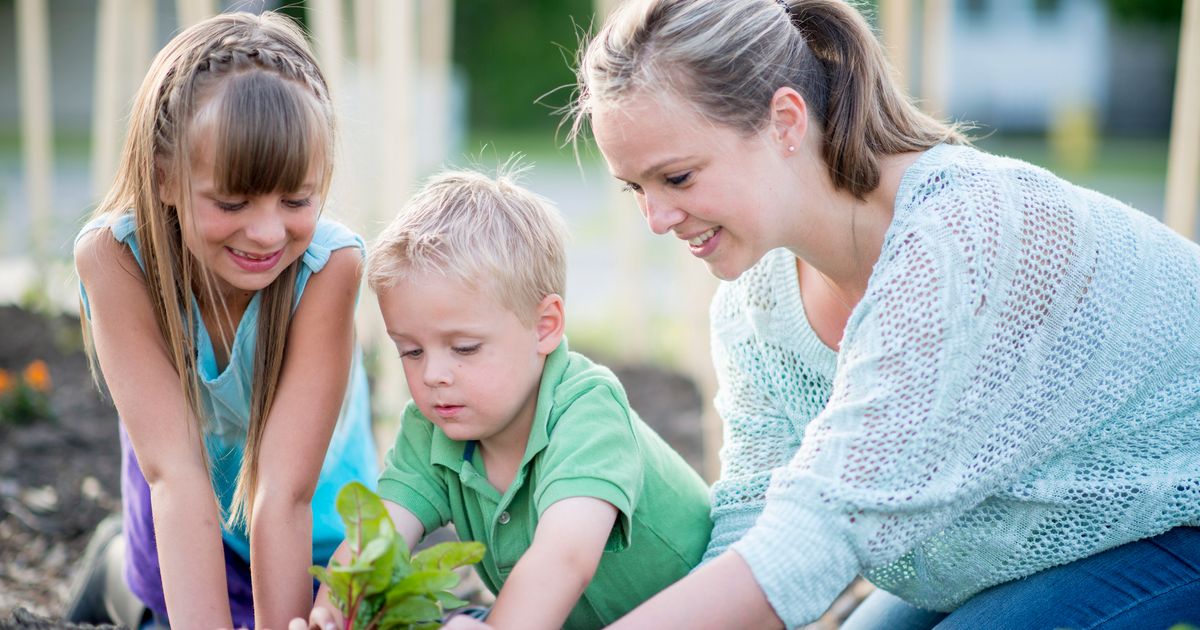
{"x":503,"y":518}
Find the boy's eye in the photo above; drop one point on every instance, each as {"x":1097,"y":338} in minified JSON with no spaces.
{"x":631,"y":187}
{"x":231,"y":206}
{"x":411,"y":354}
{"x":677,"y":180}
{"x":467,"y":349}
{"x":298,"y":203}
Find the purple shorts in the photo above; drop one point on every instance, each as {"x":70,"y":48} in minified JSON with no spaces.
{"x":142,"y":571}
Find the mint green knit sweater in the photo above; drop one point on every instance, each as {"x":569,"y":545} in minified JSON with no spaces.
{"x":1018,"y":388}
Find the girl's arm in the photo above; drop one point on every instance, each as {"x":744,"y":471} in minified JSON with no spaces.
{"x":553,"y":573}
{"x":731,"y":596}
{"x":142,"y":381}
{"x":312,"y":384}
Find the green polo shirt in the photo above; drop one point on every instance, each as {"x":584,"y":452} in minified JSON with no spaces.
{"x":585,"y":442}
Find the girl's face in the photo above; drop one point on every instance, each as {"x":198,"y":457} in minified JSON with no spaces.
{"x":244,"y":241}
{"x":716,"y":189}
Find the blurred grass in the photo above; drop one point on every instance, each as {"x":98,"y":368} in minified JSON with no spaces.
{"x":539,"y":145}
{"x":1115,"y":156}
{"x":76,"y":144}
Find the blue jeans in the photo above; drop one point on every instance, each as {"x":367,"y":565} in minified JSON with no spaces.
{"x":1149,"y":584}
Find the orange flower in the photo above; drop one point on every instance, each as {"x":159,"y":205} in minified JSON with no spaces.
{"x":37,"y":376}
{"x":5,"y":381}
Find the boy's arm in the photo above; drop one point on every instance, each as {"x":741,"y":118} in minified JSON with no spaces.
{"x":553,"y":573}
{"x":325,"y":615}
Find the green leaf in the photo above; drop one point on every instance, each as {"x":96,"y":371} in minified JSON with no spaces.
{"x":422,"y":583}
{"x":337,"y":581}
{"x":449,"y":555}
{"x":448,"y":601}
{"x":364,"y":515}
{"x":412,"y":609}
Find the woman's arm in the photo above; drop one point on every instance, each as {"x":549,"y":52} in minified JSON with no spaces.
{"x":142,"y":381}
{"x":730,"y":595}
{"x":312,"y":384}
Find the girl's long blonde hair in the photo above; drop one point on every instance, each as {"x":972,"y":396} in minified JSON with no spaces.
{"x":257,"y":78}
{"x":728,"y":57}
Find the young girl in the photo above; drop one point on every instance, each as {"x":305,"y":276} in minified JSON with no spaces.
{"x":939,"y":368}
{"x":220,"y":308}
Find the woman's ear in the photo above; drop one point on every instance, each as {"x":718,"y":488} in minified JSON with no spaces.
{"x":789,"y":119}
{"x":551,"y":323}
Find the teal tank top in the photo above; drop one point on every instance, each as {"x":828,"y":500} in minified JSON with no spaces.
{"x":225,"y":397}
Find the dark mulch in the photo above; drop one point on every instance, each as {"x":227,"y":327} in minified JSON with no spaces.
{"x":59,"y":479}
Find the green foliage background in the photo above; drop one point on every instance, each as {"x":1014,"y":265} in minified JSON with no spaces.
{"x":515,"y":51}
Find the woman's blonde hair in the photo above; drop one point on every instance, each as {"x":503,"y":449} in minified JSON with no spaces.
{"x":728,"y":57}
{"x":489,"y":233}
{"x":269,"y":119}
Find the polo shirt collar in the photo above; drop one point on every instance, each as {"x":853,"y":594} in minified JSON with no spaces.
{"x":453,"y":455}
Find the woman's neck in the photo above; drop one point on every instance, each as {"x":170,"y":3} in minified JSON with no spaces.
{"x":844,"y":235}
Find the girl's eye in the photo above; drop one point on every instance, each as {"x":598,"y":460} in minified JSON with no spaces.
{"x":298,"y":203}
{"x":231,"y":206}
{"x":467,"y":349}
{"x":631,"y":187}
{"x":411,"y":354}
{"x":677,"y":180}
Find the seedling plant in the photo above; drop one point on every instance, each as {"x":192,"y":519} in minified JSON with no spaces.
{"x":384,"y":586}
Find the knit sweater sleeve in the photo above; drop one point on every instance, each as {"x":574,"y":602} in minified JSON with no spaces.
{"x":766,"y":392}
{"x":930,"y":411}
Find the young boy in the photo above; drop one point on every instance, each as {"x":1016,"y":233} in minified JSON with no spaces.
{"x":521,"y":444}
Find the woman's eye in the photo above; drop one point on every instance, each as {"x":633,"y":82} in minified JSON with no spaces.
{"x":411,"y":354}
{"x":298,"y":203}
{"x":676,"y":180}
{"x":231,"y":206}
{"x":631,"y":187}
{"x":467,"y":349}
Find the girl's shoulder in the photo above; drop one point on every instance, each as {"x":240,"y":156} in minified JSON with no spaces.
{"x":105,"y":243}
{"x":330,"y":236}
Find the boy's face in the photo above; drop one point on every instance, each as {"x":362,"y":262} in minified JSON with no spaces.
{"x":473,"y":367}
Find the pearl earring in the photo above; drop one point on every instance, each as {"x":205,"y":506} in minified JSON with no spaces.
{"x":791,"y":148}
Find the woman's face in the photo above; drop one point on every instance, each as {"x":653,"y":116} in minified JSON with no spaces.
{"x":716,"y":189}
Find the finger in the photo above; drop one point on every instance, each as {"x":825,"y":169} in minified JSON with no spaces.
{"x":321,"y":619}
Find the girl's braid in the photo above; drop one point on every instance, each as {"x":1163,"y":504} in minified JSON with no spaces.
{"x":244,"y":49}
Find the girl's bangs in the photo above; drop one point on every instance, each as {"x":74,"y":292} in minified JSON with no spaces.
{"x":269,"y":133}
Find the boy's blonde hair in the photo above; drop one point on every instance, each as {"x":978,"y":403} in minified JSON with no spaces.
{"x":490,"y":233}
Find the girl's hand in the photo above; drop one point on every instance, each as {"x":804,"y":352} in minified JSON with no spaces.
{"x":463,"y":622}
{"x":321,"y":618}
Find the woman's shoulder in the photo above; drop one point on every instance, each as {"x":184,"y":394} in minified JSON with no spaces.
{"x":761,"y":288}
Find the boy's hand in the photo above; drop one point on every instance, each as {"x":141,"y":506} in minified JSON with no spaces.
{"x":321,"y":618}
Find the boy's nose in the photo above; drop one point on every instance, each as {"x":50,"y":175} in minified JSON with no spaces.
{"x":437,"y":373}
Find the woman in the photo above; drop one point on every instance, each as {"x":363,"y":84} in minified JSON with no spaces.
{"x":938,"y":368}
